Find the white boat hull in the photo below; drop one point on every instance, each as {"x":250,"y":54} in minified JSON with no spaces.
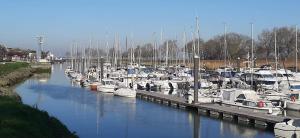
{"x":125,"y":92}
{"x":290,"y":105}
{"x":273,"y":111}
{"x":282,"y":130}
{"x":105,"y":89}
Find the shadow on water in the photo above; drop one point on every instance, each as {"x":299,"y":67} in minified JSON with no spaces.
{"x":202,"y":127}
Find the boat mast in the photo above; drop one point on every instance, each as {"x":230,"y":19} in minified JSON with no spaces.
{"x":225,"y":45}
{"x":198,"y":35}
{"x":252,"y":62}
{"x":72,"y":60}
{"x":140,"y":55}
{"x":154,"y":50}
{"x":115,"y":52}
{"x":131,"y":54}
{"x":176,"y":53}
{"x":296,"y":49}
{"x":167,"y":52}
{"x":107,"y":51}
{"x":194,"y":44}
{"x":127,"y":63}
{"x":184,"y":47}
{"x":98,"y":55}
{"x":275,"y":45}
{"x":162,"y":43}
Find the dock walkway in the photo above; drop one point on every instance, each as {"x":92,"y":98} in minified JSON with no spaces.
{"x":213,"y":108}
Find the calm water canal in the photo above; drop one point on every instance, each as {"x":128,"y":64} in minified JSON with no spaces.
{"x":92,"y":114}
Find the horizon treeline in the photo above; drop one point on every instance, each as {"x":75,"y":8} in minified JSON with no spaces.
{"x":238,"y":46}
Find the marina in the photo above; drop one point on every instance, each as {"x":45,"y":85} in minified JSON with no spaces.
{"x":149,"y":69}
{"x":95,"y":114}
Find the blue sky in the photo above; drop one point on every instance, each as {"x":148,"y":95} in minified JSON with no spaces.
{"x":64,"y":21}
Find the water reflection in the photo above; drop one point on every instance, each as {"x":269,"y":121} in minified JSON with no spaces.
{"x":237,"y":130}
{"x":93,"y":114}
{"x":42,"y":78}
{"x":196,"y":126}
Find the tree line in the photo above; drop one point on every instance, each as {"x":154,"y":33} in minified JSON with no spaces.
{"x":238,"y":46}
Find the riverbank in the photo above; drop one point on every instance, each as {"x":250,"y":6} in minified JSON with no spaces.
{"x":17,"y":119}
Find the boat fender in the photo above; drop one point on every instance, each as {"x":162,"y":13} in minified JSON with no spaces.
{"x":260,"y":104}
{"x":293,"y":98}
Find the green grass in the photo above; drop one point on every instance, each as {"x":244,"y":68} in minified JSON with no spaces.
{"x":19,"y":120}
{"x":42,"y":70}
{"x":12,"y":66}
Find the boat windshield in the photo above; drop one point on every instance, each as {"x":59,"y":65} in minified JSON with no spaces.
{"x":227,"y":74}
{"x":250,"y":103}
{"x":295,"y":87}
{"x":107,"y":82}
{"x":268,"y":82}
{"x":278,"y":75}
{"x":268,"y":104}
{"x":267,"y":75}
{"x":288,"y":75}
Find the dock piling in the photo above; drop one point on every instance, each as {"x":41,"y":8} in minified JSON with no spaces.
{"x":196,"y":70}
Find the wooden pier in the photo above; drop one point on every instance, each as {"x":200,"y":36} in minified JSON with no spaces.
{"x":214,"y":109}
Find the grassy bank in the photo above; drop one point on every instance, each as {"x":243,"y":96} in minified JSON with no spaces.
{"x":7,"y":68}
{"x":19,"y":120}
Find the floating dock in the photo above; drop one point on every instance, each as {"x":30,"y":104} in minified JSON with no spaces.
{"x":214,"y":109}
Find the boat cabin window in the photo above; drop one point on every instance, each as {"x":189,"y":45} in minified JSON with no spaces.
{"x":227,"y":74}
{"x":107,"y":82}
{"x":267,"y":82}
{"x":296,"y":123}
{"x":240,"y":98}
{"x":250,"y":103}
{"x":278,"y":75}
{"x":267,"y":75}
